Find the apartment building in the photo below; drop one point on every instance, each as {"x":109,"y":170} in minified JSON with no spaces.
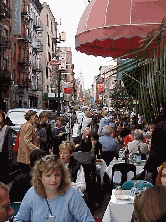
{"x":5,"y":51}
{"x":35,"y":54}
{"x":49,"y":80}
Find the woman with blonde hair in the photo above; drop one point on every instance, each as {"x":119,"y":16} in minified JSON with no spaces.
{"x":28,"y":141}
{"x":51,"y":198}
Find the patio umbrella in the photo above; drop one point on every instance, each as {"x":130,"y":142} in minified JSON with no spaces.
{"x":111,"y":28}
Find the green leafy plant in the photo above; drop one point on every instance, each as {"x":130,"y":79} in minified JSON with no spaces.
{"x":144,"y":77}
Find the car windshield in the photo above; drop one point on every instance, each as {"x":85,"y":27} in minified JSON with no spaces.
{"x":17,"y":117}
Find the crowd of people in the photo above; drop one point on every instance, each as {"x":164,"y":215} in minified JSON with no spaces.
{"x":58,"y":177}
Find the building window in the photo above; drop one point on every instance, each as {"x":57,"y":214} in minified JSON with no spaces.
{"x":48,"y":41}
{"x":14,"y":75}
{"x":51,"y":27}
{"x":14,"y":56}
{"x":19,"y":53}
{"x":49,"y":56}
{"x":52,"y":46}
{"x":47,"y":21}
{"x":46,"y":72}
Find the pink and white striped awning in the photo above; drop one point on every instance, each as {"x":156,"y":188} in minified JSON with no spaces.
{"x":114,"y":27}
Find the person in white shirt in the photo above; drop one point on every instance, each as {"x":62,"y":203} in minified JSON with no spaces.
{"x":138,"y":138}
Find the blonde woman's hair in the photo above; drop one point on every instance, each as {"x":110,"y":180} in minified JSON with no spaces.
{"x":69,"y":145}
{"x":45,"y":164}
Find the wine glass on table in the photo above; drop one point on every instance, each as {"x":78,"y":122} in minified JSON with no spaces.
{"x":134,"y":190}
{"x":145,"y":186}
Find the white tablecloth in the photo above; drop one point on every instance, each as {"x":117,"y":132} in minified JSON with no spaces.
{"x":101,"y":168}
{"x":119,"y":210}
{"x":117,"y":174}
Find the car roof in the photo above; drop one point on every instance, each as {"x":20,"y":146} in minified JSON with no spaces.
{"x":25,"y":110}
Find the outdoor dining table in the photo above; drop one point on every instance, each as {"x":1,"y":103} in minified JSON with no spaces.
{"x":119,"y":209}
{"x":117,"y":174}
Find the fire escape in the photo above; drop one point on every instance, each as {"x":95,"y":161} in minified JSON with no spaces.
{"x":23,"y":60}
{"x":5,"y":45}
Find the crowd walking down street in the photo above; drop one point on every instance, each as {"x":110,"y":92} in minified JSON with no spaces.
{"x":66,"y":171}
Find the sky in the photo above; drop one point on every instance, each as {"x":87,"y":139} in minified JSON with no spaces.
{"x":70,"y":12}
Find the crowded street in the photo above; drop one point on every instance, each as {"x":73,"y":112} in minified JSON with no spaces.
{"x":83,"y":111}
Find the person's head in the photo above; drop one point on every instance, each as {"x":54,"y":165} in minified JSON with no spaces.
{"x":88,"y":114}
{"x":107,"y":130}
{"x":150,"y":206}
{"x":6,"y":211}
{"x":43,"y":116}
{"x":161,"y":177}
{"x":119,"y":128}
{"x":50,"y":174}
{"x":2,"y":117}
{"x":84,"y":109}
{"x":105,"y":113}
{"x":36,"y":155}
{"x":132,"y":129}
{"x":152,"y":127}
{"x":86,"y":132}
{"x":31,"y":116}
{"x":112,"y":132}
{"x":138,"y":135}
{"x":66,"y":150}
{"x":59,"y":121}
{"x":36,"y":122}
{"x":94,"y":137}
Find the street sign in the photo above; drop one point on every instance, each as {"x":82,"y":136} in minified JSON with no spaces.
{"x":63,"y":65}
{"x":54,"y":62}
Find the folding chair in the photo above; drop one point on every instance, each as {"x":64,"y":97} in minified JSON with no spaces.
{"x":124,"y":168}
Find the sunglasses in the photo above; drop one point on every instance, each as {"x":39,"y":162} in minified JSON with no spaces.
{"x":50,"y":157}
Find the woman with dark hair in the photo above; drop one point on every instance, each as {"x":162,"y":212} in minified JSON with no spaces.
{"x":157,"y":153}
{"x":150,"y":206}
{"x":6,"y":148}
{"x":96,"y":145}
{"x":59,"y":134}
{"x":52,"y":198}
{"x":130,"y":137}
{"x":28,"y":141}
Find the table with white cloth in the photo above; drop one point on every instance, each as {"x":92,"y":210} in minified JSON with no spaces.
{"x":119,"y":210}
{"x":101,"y":168}
{"x":117,"y":174}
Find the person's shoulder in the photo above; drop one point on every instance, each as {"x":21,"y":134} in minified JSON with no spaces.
{"x":73,"y":193}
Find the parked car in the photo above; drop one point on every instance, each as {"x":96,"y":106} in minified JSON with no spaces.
{"x":16,"y":115}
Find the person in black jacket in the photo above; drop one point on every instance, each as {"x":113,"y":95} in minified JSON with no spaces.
{"x":96,"y":145}
{"x":44,"y":132}
{"x":22,"y":182}
{"x":58,"y":135}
